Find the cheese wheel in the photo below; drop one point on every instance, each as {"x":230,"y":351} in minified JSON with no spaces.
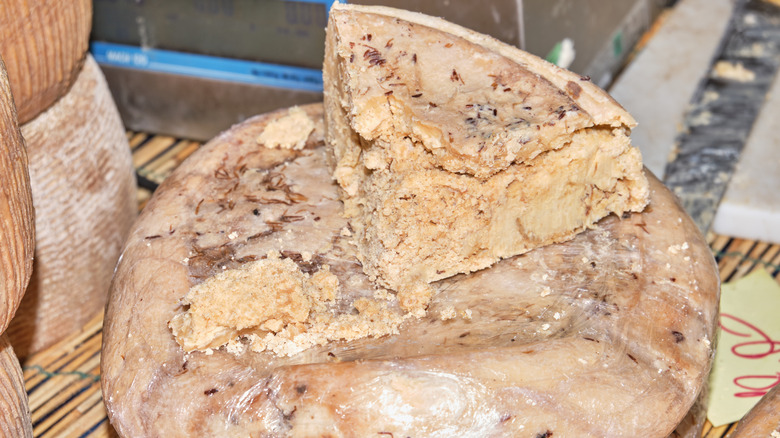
{"x":83,"y":187}
{"x":763,"y":420}
{"x":16,"y":209}
{"x":44,"y":43}
{"x":14,"y":409}
{"x":609,"y":334}
{"x":693,"y":422}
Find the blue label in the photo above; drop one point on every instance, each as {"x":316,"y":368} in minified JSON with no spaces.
{"x":327,"y":3}
{"x":205,"y":66}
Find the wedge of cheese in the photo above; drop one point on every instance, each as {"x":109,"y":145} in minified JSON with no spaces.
{"x":454,"y":150}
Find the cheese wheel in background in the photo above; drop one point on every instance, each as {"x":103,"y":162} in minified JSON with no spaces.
{"x":84,"y":190}
{"x":16,"y":209}
{"x":14,"y":408}
{"x":44,"y":43}
{"x":763,"y":420}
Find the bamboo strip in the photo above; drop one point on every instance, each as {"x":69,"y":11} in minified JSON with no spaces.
{"x":80,"y":406}
{"x":88,"y":421}
{"x":151,"y":150}
{"x":750,"y":262}
{"x":776,"y":263}
{"x":728,"y":265}
{"x":719,"y":242}
{"x":162,"y":166}
{"x":57,"y":406}
{"x":89,"y":348}
{"x":136,"y":139}
{"x":80,"y":366}
{"x":705,"y":432}
{"x":767,"y":257}
{"x":717,"y":432}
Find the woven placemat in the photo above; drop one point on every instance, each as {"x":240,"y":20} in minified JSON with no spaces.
{"x":63,"y":381}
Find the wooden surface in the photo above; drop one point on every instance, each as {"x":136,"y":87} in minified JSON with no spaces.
{"x":63,"y":381}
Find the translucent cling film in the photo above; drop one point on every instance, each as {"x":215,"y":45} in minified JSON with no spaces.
{"x":609,"y":334}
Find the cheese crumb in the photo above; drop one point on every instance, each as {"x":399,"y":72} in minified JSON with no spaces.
{"x":448,"y":313}
{"x":232,"y":235}
{"x":288,"y":132}
{"x":235,"y":347}
{"x":467,"y":314}
{"x":546,"y":291}
{"x":274,"y":306}
{"x":415,"y":298}
{"x":384,"y":294}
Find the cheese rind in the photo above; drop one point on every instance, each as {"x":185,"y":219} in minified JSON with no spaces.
{"x":588,"y":330}
{"x":44,"y":44}
{"x":17,"y":219}
{"x":14,"y":406}
{"x":84,"y":195}
{"x":454,"y":152}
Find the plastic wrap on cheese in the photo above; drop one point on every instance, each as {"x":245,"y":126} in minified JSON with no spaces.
{"x":609,"y":334}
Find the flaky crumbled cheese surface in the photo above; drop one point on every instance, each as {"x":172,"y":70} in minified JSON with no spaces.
{"x":271,"y":305}
{"x":448,"y":313}
{"x":288,"y":132}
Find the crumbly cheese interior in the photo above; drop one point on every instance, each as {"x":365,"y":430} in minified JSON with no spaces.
{"x":429,"y":224}
{"x":288,"y":132}
{"x":270,"y":304}
{"x":452,"y":156}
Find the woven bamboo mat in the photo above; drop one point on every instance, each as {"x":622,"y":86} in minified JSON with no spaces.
{"x":63,"y":381}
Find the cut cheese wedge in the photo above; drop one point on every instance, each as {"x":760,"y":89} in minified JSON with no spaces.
{"x":454,"y":150}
